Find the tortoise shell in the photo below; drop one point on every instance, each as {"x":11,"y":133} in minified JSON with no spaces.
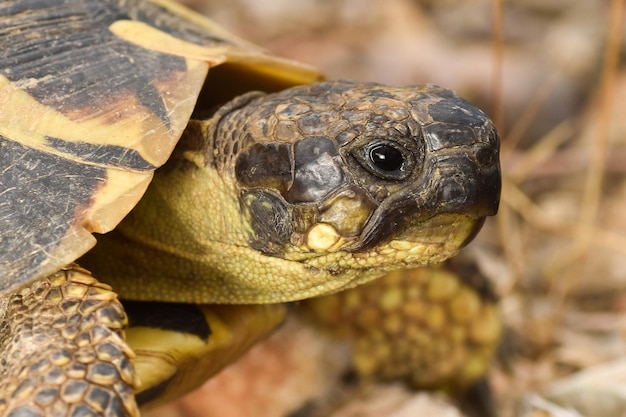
{"x":86,"y":118}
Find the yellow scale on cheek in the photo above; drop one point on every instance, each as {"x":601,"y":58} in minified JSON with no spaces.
{"x":341,"y":222}
{"x":323,"y":237}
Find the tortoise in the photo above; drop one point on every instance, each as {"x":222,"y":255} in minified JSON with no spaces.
{"x":223,"y":176}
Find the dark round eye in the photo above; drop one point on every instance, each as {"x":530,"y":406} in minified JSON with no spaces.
{"x":387,"y":158}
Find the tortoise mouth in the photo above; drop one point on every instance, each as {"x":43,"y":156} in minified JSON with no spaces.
{"x":450,"y":230}
{"x":420,"y":243}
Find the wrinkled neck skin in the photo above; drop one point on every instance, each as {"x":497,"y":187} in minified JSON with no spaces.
{"x":305,"y":192}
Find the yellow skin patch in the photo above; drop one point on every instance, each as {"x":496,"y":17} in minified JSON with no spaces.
{"x":185,"y":360}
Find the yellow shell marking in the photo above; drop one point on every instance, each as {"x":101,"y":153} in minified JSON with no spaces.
{"x":148,"y":37}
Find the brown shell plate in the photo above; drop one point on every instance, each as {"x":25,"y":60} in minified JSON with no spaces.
{"x":94,"y":96}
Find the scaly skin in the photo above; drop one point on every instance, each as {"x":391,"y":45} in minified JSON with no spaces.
{"x":65,"y":348}
{"x":63,"y":352}
{"x":434,"y":327}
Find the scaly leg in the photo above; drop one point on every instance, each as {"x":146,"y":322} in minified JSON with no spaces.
{"x":434,"y":328}
{"x":62,"y":351}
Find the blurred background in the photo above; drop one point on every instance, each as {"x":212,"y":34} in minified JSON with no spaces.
{"x":552,"y":81}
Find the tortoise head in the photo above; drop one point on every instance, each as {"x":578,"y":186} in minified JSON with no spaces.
{"x":396,"y":176}
{"x":317,"y":188}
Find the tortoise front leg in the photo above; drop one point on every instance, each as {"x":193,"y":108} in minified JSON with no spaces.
{"x":62,"y":351}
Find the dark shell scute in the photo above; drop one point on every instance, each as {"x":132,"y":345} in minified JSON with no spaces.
{"x":103,"y":154}
{"x":41,"y":196}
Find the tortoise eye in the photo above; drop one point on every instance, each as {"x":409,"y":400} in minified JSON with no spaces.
{"x":385,"y":159}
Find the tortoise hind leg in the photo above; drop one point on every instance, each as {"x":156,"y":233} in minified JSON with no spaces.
{"x":434,"y":328}
{"x":62,"y":351}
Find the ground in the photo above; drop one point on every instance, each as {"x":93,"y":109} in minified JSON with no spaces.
{"x":556,"y":253}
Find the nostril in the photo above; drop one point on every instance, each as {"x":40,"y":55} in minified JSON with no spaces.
{"x":484,"y":155}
